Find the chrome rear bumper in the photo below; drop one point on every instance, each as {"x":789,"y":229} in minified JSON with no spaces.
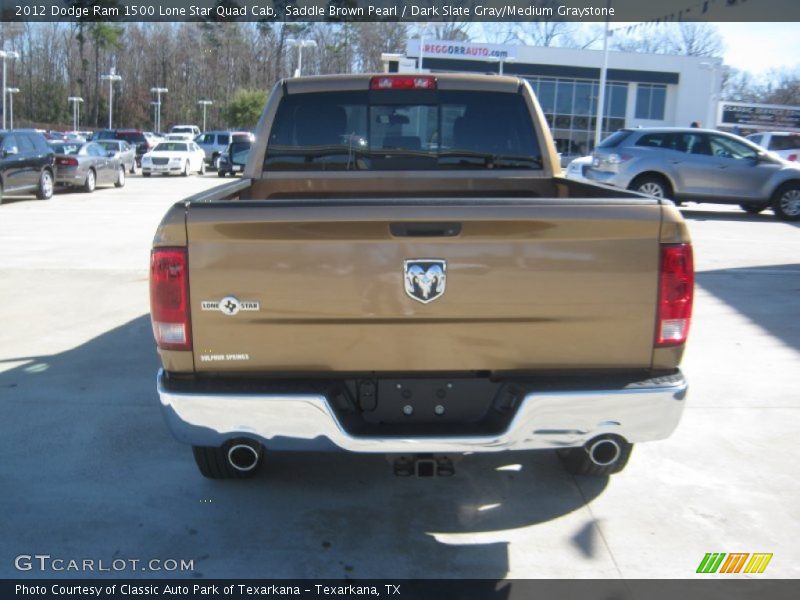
{"x":551,"y":419}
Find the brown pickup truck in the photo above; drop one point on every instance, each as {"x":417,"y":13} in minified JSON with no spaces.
{"x":403,"y":270}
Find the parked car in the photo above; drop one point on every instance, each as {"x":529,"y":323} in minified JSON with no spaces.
{"x":74,"y":136}
{"x":234,"y":158}
{"x":191,"y":130}
{"x":700,"y":165}
{"x":27,"y":163}
{"x":124,"y":151}
{"x":136,"y":138}
{"x":576,"y":168}
{"x":87,"y":166}
{"x":174,"y":157}
{"x":178,"y":137}
{"x":568,"y":150}
{"x":54,"y":135}
{"x":215,"y":143}
{"x":784,"y":144}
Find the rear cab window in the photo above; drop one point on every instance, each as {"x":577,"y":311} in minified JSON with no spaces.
{"x":384,"y":130}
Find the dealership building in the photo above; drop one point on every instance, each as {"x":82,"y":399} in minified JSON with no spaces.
{"x":642,"y":90}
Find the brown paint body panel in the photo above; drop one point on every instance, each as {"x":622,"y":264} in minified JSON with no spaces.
{"x":529,"y":286}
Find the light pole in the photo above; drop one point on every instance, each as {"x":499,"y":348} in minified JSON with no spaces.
{"x":206,"y":104}
{"x":601,"y":94}
{"x":300,"y":45}
{"x":156,"y":106}
{"x":11,"y":92}
{"x":5,"y":54}
{"x":422,"y":45}
{"x":111,"y":77}
{"x":76,"y":108}
{"x":158,"y":91}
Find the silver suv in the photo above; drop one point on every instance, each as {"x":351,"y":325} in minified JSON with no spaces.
{"x":214,"y":143}
{"x":701,"y":165}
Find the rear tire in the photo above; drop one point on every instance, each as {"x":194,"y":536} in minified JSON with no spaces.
{"x":753,"y":209}
{"x":577,"y":461}
{"x":146,"y":174}
{"x":120,"y":182}
{"x":652,"y":185}
{"x":90,"y":183}
{"x":220,"y":173}
{"x":786,"y":202}
{"x":45,"y":189}
{"x":202,"y":170}
{"x":213,"y":462}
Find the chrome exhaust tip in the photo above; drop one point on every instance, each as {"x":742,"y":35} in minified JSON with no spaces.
{"x":604,"y":452}
{"x":244,"y":456}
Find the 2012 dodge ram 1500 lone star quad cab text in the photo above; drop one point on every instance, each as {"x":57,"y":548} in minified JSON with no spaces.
{"x":403,"y":271}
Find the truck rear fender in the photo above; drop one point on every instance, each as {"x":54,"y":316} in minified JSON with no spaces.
{"x":673,"y":231}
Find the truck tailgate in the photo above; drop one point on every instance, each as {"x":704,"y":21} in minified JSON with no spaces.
{"x":320,"y":286}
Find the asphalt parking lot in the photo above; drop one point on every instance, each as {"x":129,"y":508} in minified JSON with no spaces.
{"x":89,"y":469}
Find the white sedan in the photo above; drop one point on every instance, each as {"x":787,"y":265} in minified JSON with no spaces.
{"x":575,"y":168}
{"x":174,"y":157}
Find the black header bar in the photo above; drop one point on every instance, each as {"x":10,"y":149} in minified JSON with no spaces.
{"x":655,"y":11}
{"x":712,"y":587}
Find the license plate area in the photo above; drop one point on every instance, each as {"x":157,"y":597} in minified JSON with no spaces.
{"x":430,"y":401}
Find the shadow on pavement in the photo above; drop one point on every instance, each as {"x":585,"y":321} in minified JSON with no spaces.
{"x":767,"y":295}
{"x":90,"y":471}
{"x":697,"y":213}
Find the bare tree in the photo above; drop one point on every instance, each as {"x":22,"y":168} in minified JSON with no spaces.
{"x":697,"y":39}
{"x":784,"y":87}
{"x":687,"y":39}
{"x":373,"y":39}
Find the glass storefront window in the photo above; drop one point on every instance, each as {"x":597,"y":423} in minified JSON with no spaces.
{"x":547,"y":95}
{"x":650,"y":101}
{"x":564,"y":97}
{"x":583,"y":98}
{"x":570,"y":106}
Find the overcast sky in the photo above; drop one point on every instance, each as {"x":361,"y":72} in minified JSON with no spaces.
{"x":759,"y":47}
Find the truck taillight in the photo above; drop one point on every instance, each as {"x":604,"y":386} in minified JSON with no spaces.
{"x":402,"y":82}
{"x":169,"y":298}
{"x":675,"y":293}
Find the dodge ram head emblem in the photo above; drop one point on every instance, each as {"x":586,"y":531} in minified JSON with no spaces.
{"x":425,"y":278}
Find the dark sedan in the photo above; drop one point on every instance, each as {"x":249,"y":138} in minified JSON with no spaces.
{"x":87,"y":166}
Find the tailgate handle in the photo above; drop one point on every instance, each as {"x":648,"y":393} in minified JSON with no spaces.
{"x":425,"y":229}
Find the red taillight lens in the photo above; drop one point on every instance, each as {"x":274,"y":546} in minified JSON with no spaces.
{"x":675,"y":293}
{"x":66,"y":161}
{"x":169,"y":299}
{"x":792,"y":157}
{"x":404,"y":82}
